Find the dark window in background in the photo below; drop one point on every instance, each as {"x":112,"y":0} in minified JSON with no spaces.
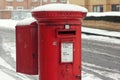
{"x":98,"y":8}
{"x":115,"y":7}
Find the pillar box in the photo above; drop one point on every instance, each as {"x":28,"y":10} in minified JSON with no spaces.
{"x":26,"y":47}
{"x":59,"y":41}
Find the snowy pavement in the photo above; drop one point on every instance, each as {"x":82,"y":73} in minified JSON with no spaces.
{"x":100,"y":54}
{"x":101,"y":59}
{"x":8,"y":58}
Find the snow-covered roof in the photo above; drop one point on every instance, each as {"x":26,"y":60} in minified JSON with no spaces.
{"x":26,"y":21}
{"x":60,"y":7}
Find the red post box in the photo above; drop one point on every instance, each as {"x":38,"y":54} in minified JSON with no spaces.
{"x":59,"y":41}
{"x":26,"y":47}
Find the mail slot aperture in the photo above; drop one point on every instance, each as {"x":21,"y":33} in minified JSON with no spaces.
{"x":66,"y":32}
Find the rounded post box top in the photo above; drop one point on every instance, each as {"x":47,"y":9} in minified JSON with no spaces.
{"x":27,"y":21}
{"x":60,"y":11}
{"x":60,"y":7}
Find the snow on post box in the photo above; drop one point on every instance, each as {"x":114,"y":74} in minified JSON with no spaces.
{"x":26,"y":47}
{"x":59,"y":41}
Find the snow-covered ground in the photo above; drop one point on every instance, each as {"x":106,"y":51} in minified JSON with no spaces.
{"x":101,"y":32}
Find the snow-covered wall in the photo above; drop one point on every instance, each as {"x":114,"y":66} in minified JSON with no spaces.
{"x":7,"y":24}
{"x":100,"y":14}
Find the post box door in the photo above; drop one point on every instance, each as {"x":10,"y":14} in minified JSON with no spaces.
{"x":26,"y":50}
{"x":70,"y":55}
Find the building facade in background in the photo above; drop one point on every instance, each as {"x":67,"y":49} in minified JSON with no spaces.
{"x":17,"y":9}
{"x":98,"y":5}
{"x":25,"y":4}
{"x":91,"y":5}
{"x":20,"y":9}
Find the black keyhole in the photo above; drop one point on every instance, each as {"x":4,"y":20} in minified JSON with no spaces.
{"x":78,"y":77}
{"x":33,"y":55}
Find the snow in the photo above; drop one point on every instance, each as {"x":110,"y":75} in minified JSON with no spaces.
{"x":7,"y":23}
{"x":5,"y":64}
{"x":100,"y":14}
{"x":103,"y":32}
{"x":26,"y":21}
{"x":60,"y":7}
{"x":114,"y":75}
{"x":10,"y":48}
{"x":101,"y":38}
{"x":87,"y":76}
{"x":4,"y":76}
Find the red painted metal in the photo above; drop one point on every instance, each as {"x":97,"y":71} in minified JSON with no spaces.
{"x":26,"y":49}
{"x":51,"y":35}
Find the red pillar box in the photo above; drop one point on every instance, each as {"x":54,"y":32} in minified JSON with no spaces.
{"x":59,"y":41}
{"x":26,"y":47}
